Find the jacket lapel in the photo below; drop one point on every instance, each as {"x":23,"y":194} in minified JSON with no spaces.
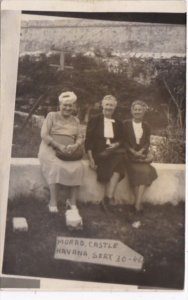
{"x":100,"y":126}
{"x":142,"y":140}
{"x":132,"y":135}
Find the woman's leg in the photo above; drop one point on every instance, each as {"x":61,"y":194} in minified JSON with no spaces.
{"x":73,"y":195}
{"x":53,"y":197}
{"x":111,"y":186}
{"x":72,"y":215}
{"x":139,"y":192}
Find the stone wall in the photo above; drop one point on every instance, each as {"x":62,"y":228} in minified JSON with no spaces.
{"x":26,"y":180}
{"x":81,"y":35}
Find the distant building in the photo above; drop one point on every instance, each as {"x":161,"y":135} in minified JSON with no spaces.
{"x":81,"y":35}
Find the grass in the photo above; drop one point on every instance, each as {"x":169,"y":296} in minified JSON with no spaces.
{"x":160,"y":239}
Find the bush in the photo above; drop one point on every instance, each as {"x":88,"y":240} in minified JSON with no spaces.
{"x":90,"y":78}
{"x":171,"y":148}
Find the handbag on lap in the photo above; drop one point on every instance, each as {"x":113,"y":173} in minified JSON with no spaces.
{"x":68,"y":140}
{"x":76,"y":155}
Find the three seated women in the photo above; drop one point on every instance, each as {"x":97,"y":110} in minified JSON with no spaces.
{"x":106,"y":143}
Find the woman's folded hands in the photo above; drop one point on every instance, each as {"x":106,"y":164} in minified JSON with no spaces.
{"x":112,"y":147}
{"x":71,"y":148}
{"x":141,"y":154}
{"x":67,"y":149}
{"x":138,"y":154}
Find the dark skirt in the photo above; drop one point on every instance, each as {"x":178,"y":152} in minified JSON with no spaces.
{"x":109,"y":165}
{"x":141,"y":173}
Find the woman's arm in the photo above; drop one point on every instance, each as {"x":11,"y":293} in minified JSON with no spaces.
{"x":90,"y":135}
{"x":126,"y":139}
{"x":89,"y":142}
{"x":146,"y":144}
{"x":91,"y":160}
{"x":79,"y":139}
{"x":45,"y":133}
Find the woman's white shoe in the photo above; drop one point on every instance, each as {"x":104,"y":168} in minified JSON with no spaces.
{"x":73,"y":218}
{"x":52,"y":209}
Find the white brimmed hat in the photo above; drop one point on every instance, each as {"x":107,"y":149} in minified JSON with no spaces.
{"x":67,"y":96}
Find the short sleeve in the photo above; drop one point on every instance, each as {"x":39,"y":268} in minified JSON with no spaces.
{"x":46,"y":127}
{"x":79,"y":136}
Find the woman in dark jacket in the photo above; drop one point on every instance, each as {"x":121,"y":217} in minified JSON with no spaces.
{"x":137,"y":137}
{"x":104,"y":136}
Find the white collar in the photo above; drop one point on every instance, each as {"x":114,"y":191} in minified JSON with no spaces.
{"x":138,"y":124}
{"x":109,"y":120}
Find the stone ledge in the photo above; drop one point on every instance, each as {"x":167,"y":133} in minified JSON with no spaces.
{"x":26,"y":180}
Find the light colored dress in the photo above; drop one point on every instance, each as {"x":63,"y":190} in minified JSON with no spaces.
{"x":54,"y":169}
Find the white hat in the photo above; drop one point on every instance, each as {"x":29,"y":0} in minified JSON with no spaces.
{"x":109,"y":97}
{"x":67,"y":96}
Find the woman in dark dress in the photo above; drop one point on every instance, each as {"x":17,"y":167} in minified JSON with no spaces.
{"x":104,"y":136}
{"x":137,"y":134}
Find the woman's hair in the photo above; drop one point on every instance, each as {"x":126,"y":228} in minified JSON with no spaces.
{"x":140,"y":102}
{"x":109,"y":97}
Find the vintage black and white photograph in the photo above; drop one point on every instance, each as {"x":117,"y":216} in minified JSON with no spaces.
{"x":97,"y":177}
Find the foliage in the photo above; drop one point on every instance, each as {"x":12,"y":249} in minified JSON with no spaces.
{"x":169,"y":151}
{"x":172,"y":82}
{"x":159,"y":82}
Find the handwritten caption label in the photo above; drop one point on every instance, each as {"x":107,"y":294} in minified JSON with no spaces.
{"x":98,"y":251}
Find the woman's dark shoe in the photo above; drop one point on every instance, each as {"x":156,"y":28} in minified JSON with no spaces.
{"x":139,"y":210}
{"x":52,"y":209}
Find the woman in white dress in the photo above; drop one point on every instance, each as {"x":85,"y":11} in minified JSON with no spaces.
{"x":61,"y":132}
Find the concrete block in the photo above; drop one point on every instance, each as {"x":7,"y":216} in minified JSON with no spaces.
{"x":26,"y":180}
{"x":20,"y":224}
